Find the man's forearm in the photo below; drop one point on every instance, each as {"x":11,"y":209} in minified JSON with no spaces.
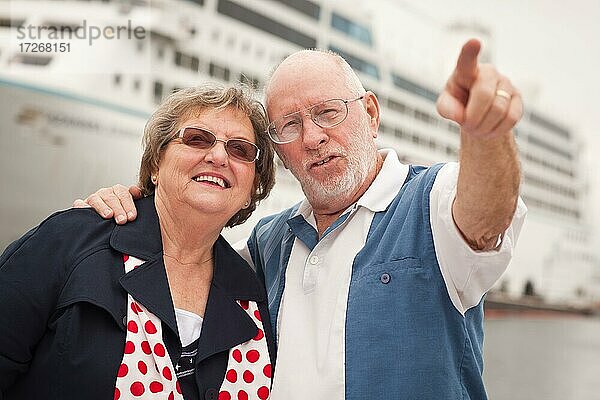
{"x":487,"y":189}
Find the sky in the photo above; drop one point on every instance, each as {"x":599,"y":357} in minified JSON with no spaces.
{"x":550,"y":51}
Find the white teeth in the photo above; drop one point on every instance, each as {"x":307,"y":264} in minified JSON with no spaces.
{"x":324,"y":161}
{"x":208,"y":178}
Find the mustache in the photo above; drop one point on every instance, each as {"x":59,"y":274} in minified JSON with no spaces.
{"x":318,"y":155}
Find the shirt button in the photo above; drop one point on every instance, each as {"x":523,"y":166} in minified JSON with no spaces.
{"x":125,"y":321}
{"x":210,"y":394}
{"x":385,"y":278}
{"x":314,"y":259}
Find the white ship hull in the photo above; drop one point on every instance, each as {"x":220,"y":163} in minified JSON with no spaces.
{"x":56,"y":147}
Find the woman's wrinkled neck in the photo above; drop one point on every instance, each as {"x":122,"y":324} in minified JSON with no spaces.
{"x":187,"y":234}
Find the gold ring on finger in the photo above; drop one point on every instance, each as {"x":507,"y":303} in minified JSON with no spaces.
{"x":503,"y":93}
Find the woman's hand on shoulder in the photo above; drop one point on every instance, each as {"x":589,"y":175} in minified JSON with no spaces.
{"x":113,"y":202}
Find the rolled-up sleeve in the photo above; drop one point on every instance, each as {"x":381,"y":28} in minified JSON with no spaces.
{"x":468,"y":274}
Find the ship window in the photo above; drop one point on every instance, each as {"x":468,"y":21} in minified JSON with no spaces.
{"x":158,"y":91}
{"x":260,"y":52}
{"x":545,"y":184}
{"x":535,"y":202}
{"x":414,"y":88}
{"x":397,"y":106}
{"x":529,"y":289}
{"x":32,"y":60}
{"x":425,"y":117}
{"x":246,"y":47}
{"x":551,"y":126}
{"x":304,"y":6}
{"x":136,"y":85}
{"x":10,"y":23}
{"x":187,"y":61}
{"x":160,"y":52}
{"x":546,"y":164}
{"x":195,"y":64}
{"x":200,"y":2}
{"x":259,"y":21}
{"x":357,"y":63}
{"x":450,"y":151}
{"x":534,"y":140}
{"x":231,"y":41}
{"x":117,"y":79}
{"x":219,"y":72}
{"x":352,"y":29}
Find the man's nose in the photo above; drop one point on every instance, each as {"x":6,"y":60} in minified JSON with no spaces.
{"x":313,"y":136}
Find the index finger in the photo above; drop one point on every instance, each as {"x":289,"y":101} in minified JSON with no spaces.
{"x":467,"y":65}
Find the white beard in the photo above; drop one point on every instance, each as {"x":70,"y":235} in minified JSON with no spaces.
{"x":340,"y":188}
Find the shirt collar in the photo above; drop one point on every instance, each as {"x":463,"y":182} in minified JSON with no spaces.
{"x":387,"y":183}
{"x":306,"y":211}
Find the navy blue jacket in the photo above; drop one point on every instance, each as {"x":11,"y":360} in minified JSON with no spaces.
{"x":63,"y":300}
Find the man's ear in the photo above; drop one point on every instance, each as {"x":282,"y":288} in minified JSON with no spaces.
{"x":373,"y":111}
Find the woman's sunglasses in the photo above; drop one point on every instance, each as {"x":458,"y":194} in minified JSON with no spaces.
{"x":199,"y":138}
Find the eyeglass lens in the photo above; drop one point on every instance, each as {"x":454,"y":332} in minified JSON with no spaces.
{"x":236,"y":148}
{"x":326,"y":115}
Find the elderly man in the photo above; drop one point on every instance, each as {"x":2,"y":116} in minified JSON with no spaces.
{"x":375,"y":280}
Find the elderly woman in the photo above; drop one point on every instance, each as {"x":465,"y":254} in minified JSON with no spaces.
{"x":161,"y":307}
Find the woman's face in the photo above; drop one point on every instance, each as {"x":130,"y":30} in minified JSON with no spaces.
{"x":186,"y":175}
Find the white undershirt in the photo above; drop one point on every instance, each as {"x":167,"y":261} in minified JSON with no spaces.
{"x":189,"y":325}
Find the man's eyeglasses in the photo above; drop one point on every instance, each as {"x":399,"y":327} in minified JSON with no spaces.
{"x":326,"y":114}
{"x":198,"y":138}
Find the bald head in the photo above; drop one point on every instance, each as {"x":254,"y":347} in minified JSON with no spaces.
{"x":311,"y":66}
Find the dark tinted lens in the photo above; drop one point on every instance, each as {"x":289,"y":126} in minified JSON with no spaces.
{"x":198,"y":138}
{"x":241,"y":150}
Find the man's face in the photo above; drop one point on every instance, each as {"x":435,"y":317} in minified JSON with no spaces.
{"x":332,"y":164}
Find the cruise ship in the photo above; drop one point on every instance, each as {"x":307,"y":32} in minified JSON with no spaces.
{"x":75,"y":99}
